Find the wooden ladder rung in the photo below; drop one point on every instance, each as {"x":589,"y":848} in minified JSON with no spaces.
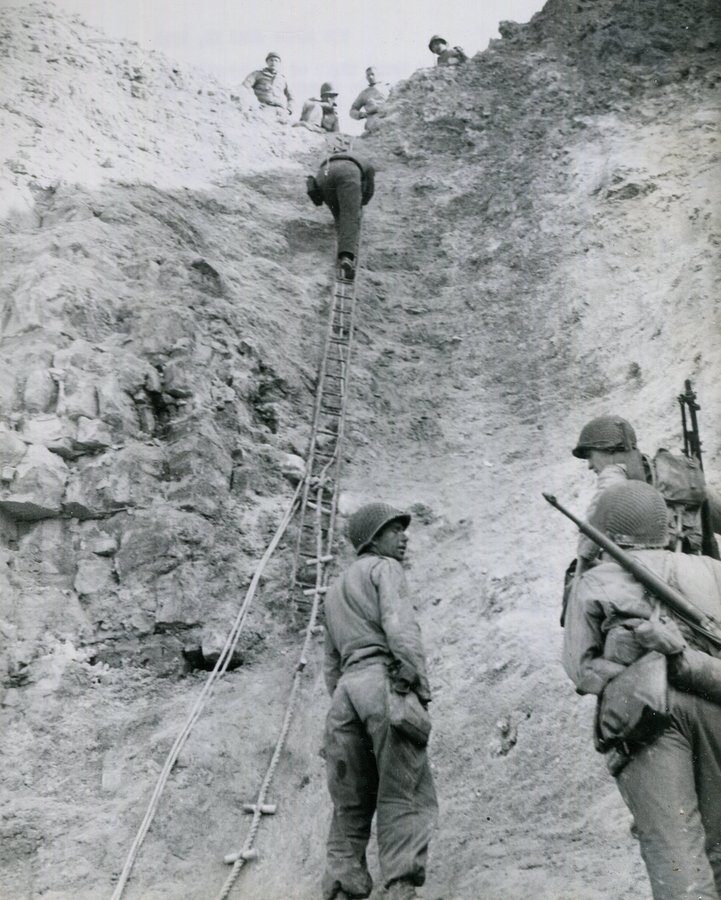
{"x":319,"y":559}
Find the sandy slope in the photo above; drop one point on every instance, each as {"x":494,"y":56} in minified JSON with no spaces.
{"x":543,"y":247}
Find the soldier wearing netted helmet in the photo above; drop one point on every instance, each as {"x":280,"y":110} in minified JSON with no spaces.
{"x":376,"y":763}
{"x":669,"y":772}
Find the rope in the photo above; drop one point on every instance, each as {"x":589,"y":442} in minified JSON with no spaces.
{"x":285,"y":727}
{"x":217,"y":673}
{"x":321,"y":570}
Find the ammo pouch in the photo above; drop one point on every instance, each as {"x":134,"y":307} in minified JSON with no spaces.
{"x":313,"y":191}
{"x":633,"y":708}
{"x":681,"y":481}
{"x":408,"y":716}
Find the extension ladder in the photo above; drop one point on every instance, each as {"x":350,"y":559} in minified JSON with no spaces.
{"x":316,"y":528}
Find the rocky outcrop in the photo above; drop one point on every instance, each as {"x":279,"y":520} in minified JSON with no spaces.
{"x":144,"y":388}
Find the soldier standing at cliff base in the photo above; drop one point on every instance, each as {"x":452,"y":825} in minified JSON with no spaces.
{"x":376,"y":758}
{"x":345,"y":182}
{"x":608,"y":443}
{"x":667,"y":763}
{"x":269,"y":85}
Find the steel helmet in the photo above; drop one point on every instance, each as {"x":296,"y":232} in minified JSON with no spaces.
{"x":272,"y":55}
{"x":366,"y":522}
{"x":633,"y":514}
{"x":434,"y":39}
{"x":605,"y":433}
{"x":327,"y":88}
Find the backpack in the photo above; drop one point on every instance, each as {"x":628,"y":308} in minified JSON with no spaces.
{"x":681,"y":481}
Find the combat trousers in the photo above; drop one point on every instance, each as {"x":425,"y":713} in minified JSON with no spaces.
{"x":371,"y":769}
{"x":673,"y":789}
{"x":341,"y":189}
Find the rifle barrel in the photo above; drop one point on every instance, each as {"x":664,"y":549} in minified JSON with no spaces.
{"x":645,"y":576}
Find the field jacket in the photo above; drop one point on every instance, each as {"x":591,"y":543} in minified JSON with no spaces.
{"x":371,"y":99}
{"x":369,"y":616}
{"x":452,"y":56}
{"x":598,"y":638}
{"x":271,"y":88}
{"x":320,"y":114}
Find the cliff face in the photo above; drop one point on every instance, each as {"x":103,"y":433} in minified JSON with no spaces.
{"x":543,"y":247}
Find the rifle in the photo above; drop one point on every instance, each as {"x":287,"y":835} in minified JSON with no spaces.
{"x":692,"y":449}
{"x":684,"y":608}
{"x":691,"y":436}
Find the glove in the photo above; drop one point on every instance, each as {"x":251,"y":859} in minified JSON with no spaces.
{"x":663,"y":635}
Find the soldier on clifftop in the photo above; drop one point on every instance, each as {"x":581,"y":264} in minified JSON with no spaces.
{"x":270,"y":86}
{"x":447,"y":56}
{"x":345,"y":182}
{"x":377,"y":725}
{"x":370,"y":100}
{"x":321,"y":114}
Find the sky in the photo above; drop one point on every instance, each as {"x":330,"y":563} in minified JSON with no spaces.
{"x":318,"y":40}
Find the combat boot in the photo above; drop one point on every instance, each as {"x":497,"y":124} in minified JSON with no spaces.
{"x":346,"y":268}
{"x":400,"y":890}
